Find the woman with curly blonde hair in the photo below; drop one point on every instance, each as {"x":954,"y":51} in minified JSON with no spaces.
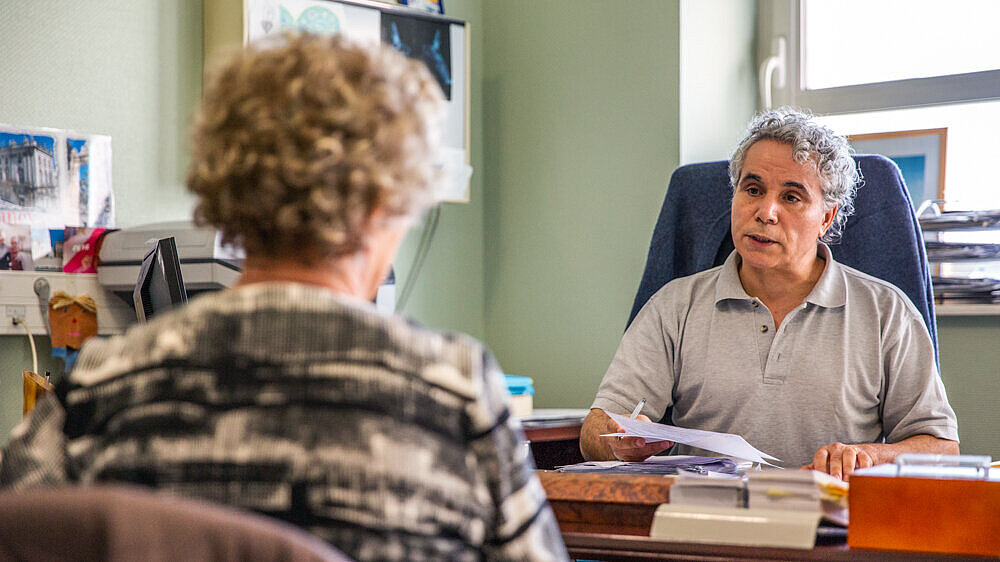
{"x":291,"y":394}
{"x":299,"y":165}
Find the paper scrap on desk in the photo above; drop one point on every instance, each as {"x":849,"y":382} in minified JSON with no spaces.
{"x":722,"y":443}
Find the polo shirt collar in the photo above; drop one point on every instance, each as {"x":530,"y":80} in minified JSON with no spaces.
{"x":830,"y":291}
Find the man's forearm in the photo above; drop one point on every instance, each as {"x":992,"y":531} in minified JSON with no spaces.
{"x":886,"y":452}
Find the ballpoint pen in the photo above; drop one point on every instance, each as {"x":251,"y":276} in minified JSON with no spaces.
{"x":635,"y":412}
{"x":638,"y":408}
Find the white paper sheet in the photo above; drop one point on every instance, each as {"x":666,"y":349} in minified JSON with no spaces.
{"x":722,"y":443}
{"x":456,"y":174}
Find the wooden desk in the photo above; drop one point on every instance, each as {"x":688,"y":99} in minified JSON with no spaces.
{"x":608,"y":517}
{"x":620,"y":504}
{"x":616,"y":548}
{"x":554,"y":443}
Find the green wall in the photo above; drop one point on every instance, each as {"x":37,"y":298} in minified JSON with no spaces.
{"x":123,"y":68}
{"x":718,"y":76}
{"x":581,"y":134}
{"x":969,"y":348}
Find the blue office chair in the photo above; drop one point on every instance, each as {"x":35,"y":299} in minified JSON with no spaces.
{"x":882,"y":238}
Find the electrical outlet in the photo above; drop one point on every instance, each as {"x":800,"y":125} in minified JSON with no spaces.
{"x":17,"y":311}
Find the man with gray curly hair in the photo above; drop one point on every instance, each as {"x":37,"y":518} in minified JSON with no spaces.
{"x":812,"y":361}
{"x":830,"y":154}
{"x":291,"y":394}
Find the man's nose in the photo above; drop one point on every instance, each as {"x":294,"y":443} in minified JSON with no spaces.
{"x":767,"y":211}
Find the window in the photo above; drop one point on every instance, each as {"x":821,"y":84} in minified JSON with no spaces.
{"x":858,"y":55}
{"x":897,"y":65}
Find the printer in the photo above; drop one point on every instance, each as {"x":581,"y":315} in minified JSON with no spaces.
{"x":206,"y":264}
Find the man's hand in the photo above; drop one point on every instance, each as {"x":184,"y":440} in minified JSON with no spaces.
{"x":595,"y":447}
{"x":635,"y":449}
{"x":840,"y":460}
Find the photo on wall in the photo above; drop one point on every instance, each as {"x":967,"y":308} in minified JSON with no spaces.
{"x":15,"y":247}
{"x":88,"y":185}
{"x":28,"y":172}
{"x":920,"y":155}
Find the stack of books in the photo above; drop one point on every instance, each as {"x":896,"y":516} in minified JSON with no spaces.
{"x":781,"y":508}
{"x":799,"y":490}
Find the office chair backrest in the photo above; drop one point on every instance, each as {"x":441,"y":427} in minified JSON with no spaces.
{"x":882,"y":238}
{"x":118,"y":523}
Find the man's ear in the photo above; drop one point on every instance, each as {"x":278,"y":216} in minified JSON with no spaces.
{"x":828,"y":219}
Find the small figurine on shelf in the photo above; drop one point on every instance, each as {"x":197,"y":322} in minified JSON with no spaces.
{"x":73,"y":320}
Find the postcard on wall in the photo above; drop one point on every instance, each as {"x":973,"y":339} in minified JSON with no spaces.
{"x":29,"y":172}
{"x":15,"y":247}
{"x":89,"y":200}
{"x":80,"y":249}
{"x":50,"y":178}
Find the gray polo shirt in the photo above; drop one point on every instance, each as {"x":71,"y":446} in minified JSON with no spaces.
{"x":854,"y":363}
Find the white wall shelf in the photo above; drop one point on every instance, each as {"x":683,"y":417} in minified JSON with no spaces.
{"x":17,"y":297}
{"x":953,"y":309}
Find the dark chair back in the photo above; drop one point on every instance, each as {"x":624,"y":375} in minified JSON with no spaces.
{"x":118,"y":523}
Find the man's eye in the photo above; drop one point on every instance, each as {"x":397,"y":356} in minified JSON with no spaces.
{"x":753,"y":190}
{"x":793,"y":198}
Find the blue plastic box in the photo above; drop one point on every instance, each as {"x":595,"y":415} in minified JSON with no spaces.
{"x":522,"y":392}
{"x":518,"y":385}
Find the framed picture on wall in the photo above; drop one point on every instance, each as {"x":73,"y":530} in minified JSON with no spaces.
{"x":920,"y":155}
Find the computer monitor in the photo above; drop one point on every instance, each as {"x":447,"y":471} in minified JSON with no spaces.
{"x":160,"y":286}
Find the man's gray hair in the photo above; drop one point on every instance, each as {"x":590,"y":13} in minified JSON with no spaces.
{"x":810,"y":142}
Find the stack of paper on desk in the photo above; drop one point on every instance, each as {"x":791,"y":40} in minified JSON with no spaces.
{"x":674,"y":464}
{"x":545,"y":417}
{"x":722,"y":443}
{"x":801,"y":490}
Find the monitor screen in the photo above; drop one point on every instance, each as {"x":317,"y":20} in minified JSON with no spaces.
{"x":160,"y":286}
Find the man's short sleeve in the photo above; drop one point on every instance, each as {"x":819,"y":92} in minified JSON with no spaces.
{"x":643,"y":365}
{"x":915,"y":399}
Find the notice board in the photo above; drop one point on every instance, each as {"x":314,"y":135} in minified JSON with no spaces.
{"x":441,"y":42}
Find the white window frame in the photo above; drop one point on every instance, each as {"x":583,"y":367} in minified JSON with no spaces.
{"x":783,"y":18}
